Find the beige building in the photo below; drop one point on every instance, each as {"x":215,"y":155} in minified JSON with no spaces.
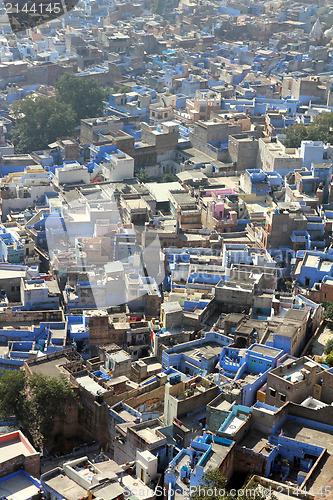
{"x":274,"y":156}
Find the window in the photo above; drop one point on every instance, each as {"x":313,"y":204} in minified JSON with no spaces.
{"x":283,"y":398}
{"x":272,"y":392}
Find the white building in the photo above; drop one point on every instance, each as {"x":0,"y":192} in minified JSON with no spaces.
{"x":72,"y":173}
{"x":119,"y":167}
{"x":146,"y":466}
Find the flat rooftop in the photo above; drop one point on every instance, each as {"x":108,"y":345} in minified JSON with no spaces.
{"x":13,"y":445}
{"x":150,"y":434}
{"x":50,"y":367}
{"x":90,"y":385}
{"x":216,"y":456}
{"x":19,"y":487}
{"x":268,"y":351}
{"x":160,"y":191}
{"x":307,"y":434}
{"x":254,"y":440}
{"x":138,"y":489}
{"x":66,"y":487}
{"x":208,"y":351}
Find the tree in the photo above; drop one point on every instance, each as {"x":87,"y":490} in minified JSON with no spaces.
{"x":35,"y":402}
{"x":295,"y":135}
{"x":213,"y":486}
{"x":84,"y":95}
{"x":39,"y":121}
{"x":212,"y":482}
{"x":329,"y":346}
{"x":51,"y":399}
{"x":124,"y":89}
{"x":319,"y":130}
{"x":169,"y":178}
{"x":328,"y":311}
{"x":12,"y":396}
{"x":329,"y":359}
{"x":144,"y":177}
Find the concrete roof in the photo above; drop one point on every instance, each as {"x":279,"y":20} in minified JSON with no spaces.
{"x":160,"y":190}
{"x":90,"y":385}
{"x":14,"y":444}
{"x":50,"y":367}
{"x":171,"y":307}
{"x":66,"y":487}
{"x":19,"y":487}
{"x":110,"y":491}
{"x":296,"y":314}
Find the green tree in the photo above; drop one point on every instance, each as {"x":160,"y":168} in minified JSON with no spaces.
{"x":51,"y":399}
{"x":169,"y":178}
{"x":13,"y":402}
{"x":84,"y":95}
{"x":213,"y":487}
{"x":212,"y":481}
{"x":144,"y":177}
{"x":107,"y":91}
{"x":39,"y":121}
{"x":328,"y":311}
{"x":35,"y":402}
{"x":321,"y":129}
{"x":295,"y":135}
{"x":329,"y":346}
{"x":124,"y":89}
{"x":329,"y":359}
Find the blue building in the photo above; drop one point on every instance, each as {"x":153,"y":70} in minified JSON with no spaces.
{"x":185,"y":471}
{"x":19,"y":484}
{"x":261,"y":105}
{"x":313,"y":266}
{"x":288,"y":452}
{"x":260,"y":183}
{"x":11,"y":249}
{"x":251,"y":368}
{"x":197,"y":357}
{"x":46,"y":338}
